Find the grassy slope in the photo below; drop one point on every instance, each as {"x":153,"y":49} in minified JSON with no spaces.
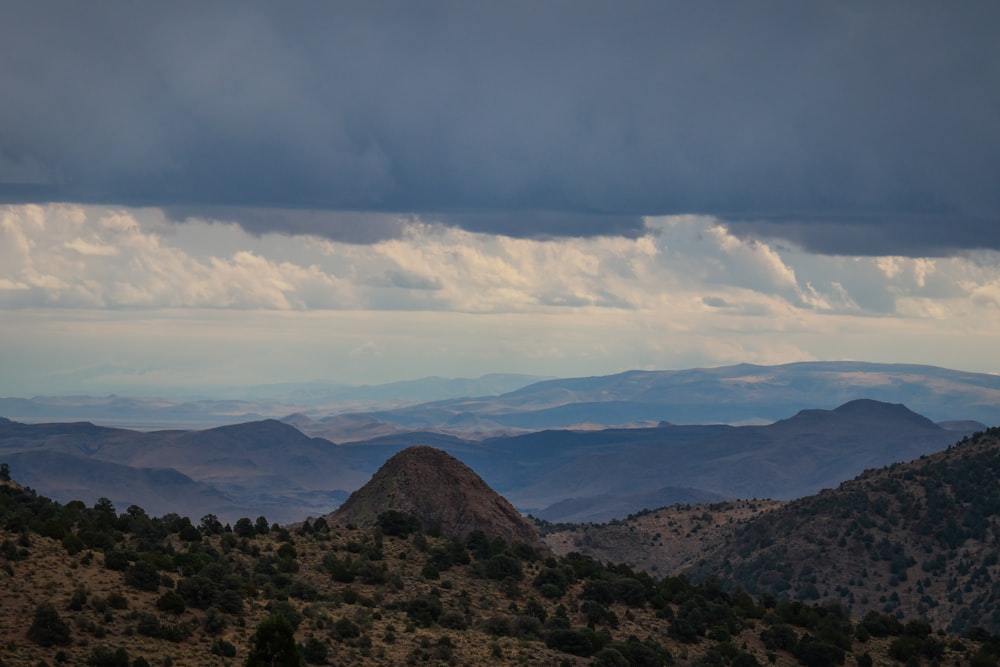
{"x":388,"y":634}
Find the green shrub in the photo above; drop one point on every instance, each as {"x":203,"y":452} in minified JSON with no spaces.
{"x":453,"y":620}
{"x":398,"y":524}
{"x":576,"y":642}
{"x":102,"y":656}
{"x":171,"y":603}
{"x":502,"y":566}
{"x":117,"y":560}
{"x":779,"y":636}
{"x":345,"y":629}
{"x":812,"y":652}
{"x":223,"y":648}
{"x":143,"y":576}
{"x":47,"y":628}
{"x":423,"y":610}
{"x":314,"y":651}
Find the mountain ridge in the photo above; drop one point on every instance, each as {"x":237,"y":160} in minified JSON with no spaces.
{"x":737,"y":394}
{"x":271,"y":468}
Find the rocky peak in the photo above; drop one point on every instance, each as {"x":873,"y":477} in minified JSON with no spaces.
{"x":439,"y":490}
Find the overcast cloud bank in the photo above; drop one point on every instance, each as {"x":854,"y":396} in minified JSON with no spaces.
{"x":848,"y":128}
{"x":94,"y":257}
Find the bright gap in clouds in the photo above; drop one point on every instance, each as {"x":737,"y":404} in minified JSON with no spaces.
{"x":95,"y":299}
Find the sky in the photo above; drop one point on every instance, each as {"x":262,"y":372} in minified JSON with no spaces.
{"x":203,"y":195}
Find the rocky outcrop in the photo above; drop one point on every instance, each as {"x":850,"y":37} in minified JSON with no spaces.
{"x":439,"y":490}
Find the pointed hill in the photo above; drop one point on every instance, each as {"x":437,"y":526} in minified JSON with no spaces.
{"x":860,"y":412}
{"x":918,"y":539}
{"x":437,"y":489}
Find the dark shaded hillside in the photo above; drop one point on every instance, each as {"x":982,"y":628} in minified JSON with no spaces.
{"x":795,"y":457}
{"x":264,"y":467}
{"x":918,"y":539}
{"x":83,"y":437}
{"x":69,"y":477}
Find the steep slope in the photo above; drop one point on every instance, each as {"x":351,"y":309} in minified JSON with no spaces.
{"x":920,"y":539}
{"x":664,"y":541}
{"x":439,"y":490}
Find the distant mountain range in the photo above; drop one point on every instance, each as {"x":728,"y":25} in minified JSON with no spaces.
{"x":272,"y":469}
{"x":741,"y":394}
{"x":794,"y":457}
{"x":235,"y":405}
{"x":506,"y":404}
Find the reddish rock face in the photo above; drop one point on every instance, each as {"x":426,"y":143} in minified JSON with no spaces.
{"x":440,"y":490}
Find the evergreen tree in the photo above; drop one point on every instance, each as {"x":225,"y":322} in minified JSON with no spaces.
{"x":273,"y":644}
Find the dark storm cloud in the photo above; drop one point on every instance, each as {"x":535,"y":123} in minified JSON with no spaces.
{"x":911,"y":235}
{"x":546,"y":223}
{"x":843,"y":126}
{"x":345,"y":226}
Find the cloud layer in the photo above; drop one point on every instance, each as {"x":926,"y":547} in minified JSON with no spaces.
{"x":74,"y":256}
{"x":100,"y":299}
{"x":856,"y":129}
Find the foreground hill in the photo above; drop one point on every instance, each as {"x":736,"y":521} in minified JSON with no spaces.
{"x":665,"y":541}
{"x":919,"y":539}
{"x":89,"y":586}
